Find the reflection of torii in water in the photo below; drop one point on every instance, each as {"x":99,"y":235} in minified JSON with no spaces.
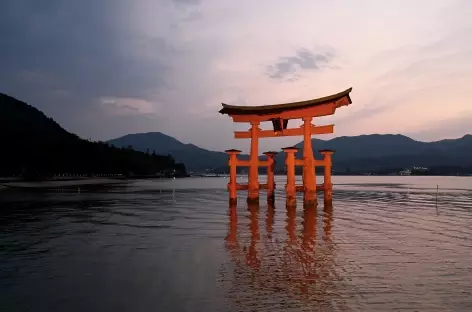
{"x":295,"y":267}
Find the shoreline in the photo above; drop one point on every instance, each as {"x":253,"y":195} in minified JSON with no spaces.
{"x":60,"y":183}
{"x":71,"y":182}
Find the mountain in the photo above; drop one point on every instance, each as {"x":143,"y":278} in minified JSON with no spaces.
{"x":362,"y":153}
{"x":161,"y":143}
{"x":194,"y":157}
{"x":34,"y":145}
{"x":376,"y":152}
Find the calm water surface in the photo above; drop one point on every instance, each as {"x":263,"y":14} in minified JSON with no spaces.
{"x":387,"y":243}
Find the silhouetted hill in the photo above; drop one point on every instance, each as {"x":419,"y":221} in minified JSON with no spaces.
{"x":374,"y":152}
{"x":194,"y":157}
{"x":157,"y":141}
{"x":34,"y":145}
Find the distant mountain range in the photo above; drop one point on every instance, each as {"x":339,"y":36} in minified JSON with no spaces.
{"x":194,"y":157}
{"x":386,"y":152}
{"x":364,"y":153}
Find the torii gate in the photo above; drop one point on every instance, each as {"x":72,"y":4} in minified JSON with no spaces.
{"x":279,"y":115}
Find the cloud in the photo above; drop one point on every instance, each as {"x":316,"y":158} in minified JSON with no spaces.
{"x":127,"y":106}
{"x":83,"y":48}
{"x":289,"y":67}
{"x":450,"y":129}
{"x":187,"y":2}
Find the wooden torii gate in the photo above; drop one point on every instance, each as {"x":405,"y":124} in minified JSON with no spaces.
{"x":279,"y":115}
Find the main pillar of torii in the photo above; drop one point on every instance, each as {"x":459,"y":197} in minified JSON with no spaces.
{"x":279,"y":115}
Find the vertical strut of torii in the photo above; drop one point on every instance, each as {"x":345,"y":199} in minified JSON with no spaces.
{"x":279,"y":115}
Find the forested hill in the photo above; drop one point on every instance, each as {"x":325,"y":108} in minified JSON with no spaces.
{"x":194,"y":157}
{"x":34,"y":145}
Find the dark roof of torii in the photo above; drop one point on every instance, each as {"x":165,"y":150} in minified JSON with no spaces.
{"x":279,"y":108}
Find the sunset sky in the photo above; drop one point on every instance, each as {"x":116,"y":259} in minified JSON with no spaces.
{"x":103,"y":69}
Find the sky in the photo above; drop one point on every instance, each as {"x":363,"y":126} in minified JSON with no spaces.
{"x":103,"y":69}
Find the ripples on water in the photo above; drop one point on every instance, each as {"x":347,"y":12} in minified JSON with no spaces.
{"x":177,"y":246}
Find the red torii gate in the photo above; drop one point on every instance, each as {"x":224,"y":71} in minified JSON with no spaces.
{"x":279,"y":115}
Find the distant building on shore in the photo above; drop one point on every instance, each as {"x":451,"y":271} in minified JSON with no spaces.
{"x":415,"y":170}
{"x":405,"y":172}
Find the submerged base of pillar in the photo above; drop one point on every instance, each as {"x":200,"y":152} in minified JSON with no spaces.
{"x":328,"y":207}
{"x":291,"y":201}
{"x":270,"y":198}
{"x":253,"y":200}
{"x":328,"y":194}
{"x":253,"y":196}
{"x":309,"y":198}
{"x":310,"y":203}
{"x":328,"y":201}
{"x":233,"y":201}
{"x":309,"y":195}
